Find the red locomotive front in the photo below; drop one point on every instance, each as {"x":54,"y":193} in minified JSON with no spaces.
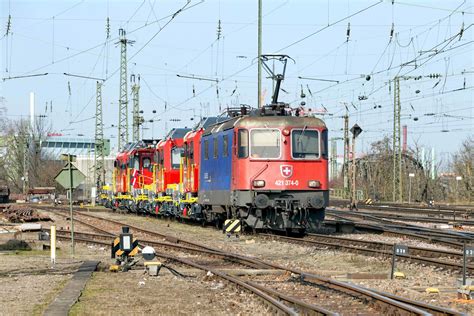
{"x":168,"y":160}
{"x":282,"y":163}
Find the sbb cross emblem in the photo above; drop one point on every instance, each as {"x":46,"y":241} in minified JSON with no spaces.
{"x":286,"y":170}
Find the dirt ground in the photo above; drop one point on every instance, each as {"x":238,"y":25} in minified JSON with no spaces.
{"x":108,"y":293}
{"x":29,"y":282}
{"x":139,"y":294}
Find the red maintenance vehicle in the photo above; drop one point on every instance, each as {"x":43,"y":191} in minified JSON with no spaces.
{"x":133,"y":176}
{"x":168,"y":171}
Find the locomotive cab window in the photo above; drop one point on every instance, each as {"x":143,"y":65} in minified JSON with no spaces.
{"x":146,"y":163}
{"x":243,"y":141}
{"x":305,"y":144}
{"x":176,"y":157}
{"x":265,"y":143}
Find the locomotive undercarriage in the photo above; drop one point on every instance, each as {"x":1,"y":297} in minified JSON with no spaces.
{"x":285,"y":211}
{"x":290,"y":211}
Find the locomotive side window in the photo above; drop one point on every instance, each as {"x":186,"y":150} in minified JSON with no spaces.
{"x":136,"y":163}
{"x":225,"y":145}
{"x":305,"y":144}
{"x":265,"y":143}
{"x":243,"y":141}
{"x":176,"y":157}
{"x":324,"y":144}
{"x":206,"y":149}
{"x":215,"y":148}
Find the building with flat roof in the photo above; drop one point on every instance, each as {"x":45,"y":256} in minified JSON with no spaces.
{"x":54,"y":146}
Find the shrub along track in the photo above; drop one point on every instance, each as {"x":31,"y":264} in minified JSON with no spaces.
{"x":352,"y":298}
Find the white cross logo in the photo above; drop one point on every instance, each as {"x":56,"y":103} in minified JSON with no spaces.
{"x":286,"y":170}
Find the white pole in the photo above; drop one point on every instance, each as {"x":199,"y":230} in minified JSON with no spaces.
{"x":53,"y":244}
{"x":409,"y":192}
{"x":410,"y":175}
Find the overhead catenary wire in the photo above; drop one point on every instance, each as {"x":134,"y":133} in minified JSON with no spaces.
{"x":329,"y":25}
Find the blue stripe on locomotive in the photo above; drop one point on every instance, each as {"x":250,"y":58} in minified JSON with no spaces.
{"x":215,"y":173}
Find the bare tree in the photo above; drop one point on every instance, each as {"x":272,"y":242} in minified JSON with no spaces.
{"x":22,"y":158}
{"x":463,"y":165}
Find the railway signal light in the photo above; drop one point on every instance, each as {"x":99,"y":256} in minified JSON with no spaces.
{"x":355,"y":130}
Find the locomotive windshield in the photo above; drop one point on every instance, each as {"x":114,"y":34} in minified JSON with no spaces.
{"x":265,"y":143}
{"x":305,"y":144}
{"x":146,"y":163}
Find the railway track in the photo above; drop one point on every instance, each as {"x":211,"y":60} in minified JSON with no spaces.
{"x":436,"y":215}
{"x":408,"y":217}
{"x":355,"y":295}
{"x":457,"y":237}
{"x":447,"y":210}
{"x":378,"y":249}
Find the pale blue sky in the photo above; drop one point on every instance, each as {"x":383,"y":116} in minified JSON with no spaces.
{"x":40,"y":43}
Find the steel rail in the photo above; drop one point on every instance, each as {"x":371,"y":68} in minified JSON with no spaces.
{"x":378,"y":252}
{"x":437,"y":209}
{"x":463,"y":236}
{"x":403,"y":233}
{"x":387,"y":245}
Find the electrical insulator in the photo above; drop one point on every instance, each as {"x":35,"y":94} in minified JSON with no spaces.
{"x":348,"y":33}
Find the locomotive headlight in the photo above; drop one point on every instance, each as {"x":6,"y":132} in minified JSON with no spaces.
{"x":314,"y":183}
{"x":285,"y":132}
{"x":258,"y":183}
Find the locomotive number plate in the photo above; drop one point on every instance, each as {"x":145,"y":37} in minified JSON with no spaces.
{"x":287,"y":182}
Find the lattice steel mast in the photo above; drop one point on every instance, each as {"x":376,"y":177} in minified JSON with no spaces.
{"x":99,"y":151}
{"x":123,"y":101}
{"x":397,"y":149}
{"x":136,"y":108}
{"x":397,"y":131}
